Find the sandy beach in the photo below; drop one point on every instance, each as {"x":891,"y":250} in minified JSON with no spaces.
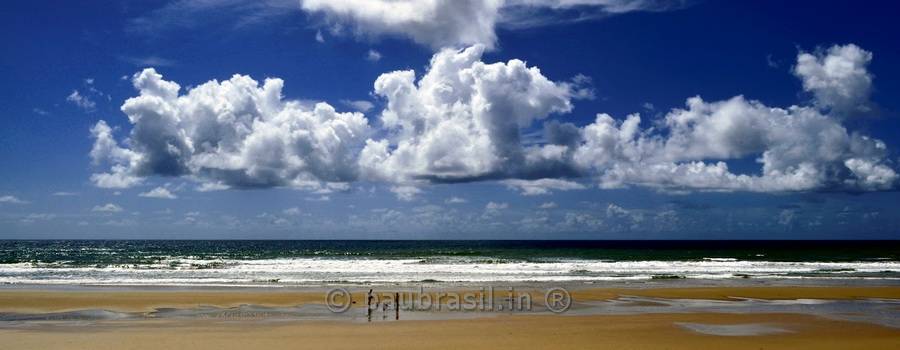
{"x":573,"y":330}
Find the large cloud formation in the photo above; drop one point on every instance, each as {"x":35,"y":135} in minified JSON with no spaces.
{"x":798,"y":147}
{"x":442,"y":23}
{"x":462,"y":120}
{"x":234,"y":133}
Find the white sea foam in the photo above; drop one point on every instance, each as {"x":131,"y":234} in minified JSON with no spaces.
{"x":191,"y":271}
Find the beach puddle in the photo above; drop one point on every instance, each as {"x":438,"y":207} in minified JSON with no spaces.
{"x":733,"y":330}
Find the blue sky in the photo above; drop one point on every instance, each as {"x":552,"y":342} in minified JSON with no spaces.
{"x":467,"y":120}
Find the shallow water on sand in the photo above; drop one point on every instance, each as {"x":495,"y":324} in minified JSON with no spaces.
{"x":884,"y":312}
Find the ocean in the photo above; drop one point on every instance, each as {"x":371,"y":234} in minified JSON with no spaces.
{"x":282,"y":263}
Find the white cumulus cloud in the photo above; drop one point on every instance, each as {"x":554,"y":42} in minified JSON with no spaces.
{"x":548,"y":205}
{"x":159,"y":192}
{"x":798,"y":149}
{"x":838,"y":78}
{"x":455,"y":200}
{"x":373,"y":56}
{"x":292,"y":211}
{"x":542,"y":186}
{"x":405,"y":192}
{"x":235,"y":133}
{"x":496,"y":206}
{"x":81,"y":101}
{"x":362,"y":106}
{"x":11,"y":200}
{"x":461,"y":120}
{"x":107,"y":208}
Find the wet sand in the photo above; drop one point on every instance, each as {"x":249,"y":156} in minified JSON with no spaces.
{"x":30,"y":301}
{"x":138,"y":300}
{"x":726,"y":293}
{"x":689,"y":330}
